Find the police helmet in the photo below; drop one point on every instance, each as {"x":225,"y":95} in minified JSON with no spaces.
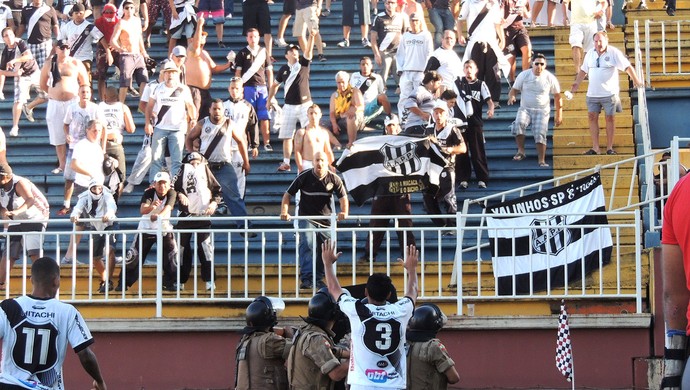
{"x":427,"y":317}
{"x":263,"y":312}
{"x":322,"y":306}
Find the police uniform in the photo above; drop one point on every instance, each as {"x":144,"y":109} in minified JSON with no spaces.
{"x":427,"y":362}
{"x":261,"y":362}
{"x":311,"y":359}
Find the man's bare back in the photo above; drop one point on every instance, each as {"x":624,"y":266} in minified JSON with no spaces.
{"x":127,"y":36}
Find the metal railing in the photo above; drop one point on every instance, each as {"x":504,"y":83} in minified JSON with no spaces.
{"x":671,"y":45}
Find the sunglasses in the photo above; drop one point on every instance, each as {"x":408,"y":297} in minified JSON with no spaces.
{"x":540,"y":63}
{"x":63,"y":47}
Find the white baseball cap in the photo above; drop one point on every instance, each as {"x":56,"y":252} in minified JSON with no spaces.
{"x":161,"y":176}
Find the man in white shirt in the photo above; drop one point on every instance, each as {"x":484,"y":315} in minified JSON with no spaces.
{"x":78,"y":33}
{"x":414,"y":51}
{"x":602,"y":64}
{"x":171,"y":111}
{"x":446,"y":62}
{"x":537,"y":86}
{"x":373,"y":89}
{"x":378,"y":327}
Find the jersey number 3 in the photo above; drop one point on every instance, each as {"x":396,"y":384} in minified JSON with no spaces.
{"x":382,"y":337}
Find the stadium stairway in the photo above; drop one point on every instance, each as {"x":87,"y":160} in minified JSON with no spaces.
{"x":31,"y":156}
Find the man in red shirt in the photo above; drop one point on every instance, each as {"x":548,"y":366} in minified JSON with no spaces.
{"x":105,"y":57}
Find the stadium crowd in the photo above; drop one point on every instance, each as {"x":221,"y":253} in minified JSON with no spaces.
{"x":201,"y":145}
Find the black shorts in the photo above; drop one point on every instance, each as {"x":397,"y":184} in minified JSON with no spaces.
{"x":289,"y":7}
{"x":255,"y":14}
{"x":516,"y":39}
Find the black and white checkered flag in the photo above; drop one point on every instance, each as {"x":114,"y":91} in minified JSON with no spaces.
{"x":564,"y":350}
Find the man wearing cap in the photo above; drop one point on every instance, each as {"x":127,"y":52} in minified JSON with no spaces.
{"x":21,"y":200}
{"x":78,"y":33}
{"x":18,"y":62}
{"x":537,"y":86}
{"x":169,"y":112}
{"x":127,"y":40}
{"x":156,"y":205}
{"x":61,"y":78}
{"x":179,"y":56}
{"x":413,"y":53}
{"x":449,"y":139}
{"x":391,"y":205}
{"x":105,"y":55}
{"x":295,"y":75}
{"x":98,"y":202}
{"x":198,"y":194}
{"x":200,"y":68}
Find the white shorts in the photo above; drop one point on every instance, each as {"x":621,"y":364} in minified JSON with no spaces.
{"x":307,"y":164}
{"x":55,"y":117}
{"x":23,"y":86}
{"x":582,"y":35}
{"x":292,"y":114}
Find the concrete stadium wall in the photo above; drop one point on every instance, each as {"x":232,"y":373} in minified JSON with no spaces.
{"x":491,"y":358}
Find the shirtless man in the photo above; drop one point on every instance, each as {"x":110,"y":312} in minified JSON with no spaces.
{"x":127,"y":40}
{"x":311,"y":139}
{"x":62,"y":87}
{"x":200,"y":66}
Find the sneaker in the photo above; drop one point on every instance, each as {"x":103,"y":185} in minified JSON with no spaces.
{"x":268,"y":148}
{"x":280,"y":42}
{"x":133,"y":92}
{"x":2,"y":96}
{"x":221,"y":44}
{"x":14,"y":132}
{"x":284,"y":167}
{"x":57,"y":171}
{"x":228,"y":16}
{"x":118,"y":259}
{"x":105,"y":285}
{"x":366,"y":43}
{"x":643,"y":6}
{"x":323,"y":44}
{"x":28,"y":112}
{"x":128,"y":188}
{"x":325,"y":13}
{"x":66,"y":261}
{"x":481,"y":184}
{"x":344,"y":43}
{"x":306,"y":284}
{"x":464,"y":185}
{"x":118,"y":288}
{"x":210,"y":286}
{"x":449,"y":233}
{"x":174,"y":286}
{"x":322,"y":58}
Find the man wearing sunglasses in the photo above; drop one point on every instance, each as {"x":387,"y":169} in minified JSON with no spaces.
{"x":537,"y":86}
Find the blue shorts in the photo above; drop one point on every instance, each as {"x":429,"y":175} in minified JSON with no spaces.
{"x":257,"y":97}
{"x":372,"y":108}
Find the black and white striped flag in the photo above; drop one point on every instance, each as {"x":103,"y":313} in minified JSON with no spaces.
{"x":534,"y":252}
{"x":390,"y":165}
{"x":564,"y":349}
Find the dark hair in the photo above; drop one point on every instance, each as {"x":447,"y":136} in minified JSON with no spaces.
{"x":216,"y":100}
{"x":449,"y":94}
{"x":539,"y":55}
{"x":470,"y":62}
{"x":365,"y":58}
{"x":5,"y":29}
{"x":44,"y":271}
{"x":430,"y":76}
{"x":251,"y":30}
{"x":379,"y":287}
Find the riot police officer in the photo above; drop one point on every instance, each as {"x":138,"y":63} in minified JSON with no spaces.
{"x":261,"y":353}
{"x":428,"y":364}
{"x":315,"y":362}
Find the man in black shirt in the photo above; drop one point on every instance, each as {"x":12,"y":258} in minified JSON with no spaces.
{"x":386,"y":32}
{"x":40,"y":23}
{"x":316,"y":186}
{"x":449,"y":139}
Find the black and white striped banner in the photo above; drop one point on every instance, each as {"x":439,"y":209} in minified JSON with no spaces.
{"x":390,"y":165}
{"x":549,"y":250}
